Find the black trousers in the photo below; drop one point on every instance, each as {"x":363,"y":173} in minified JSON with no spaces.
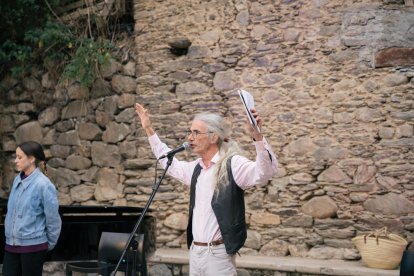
{"x":24,"y":264}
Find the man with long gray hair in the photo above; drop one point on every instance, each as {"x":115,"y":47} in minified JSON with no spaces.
{"x":216,"y":227}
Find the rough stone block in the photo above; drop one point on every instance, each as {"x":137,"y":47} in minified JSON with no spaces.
{"x":197,"y":51}
{"x":275,"y":248}
{"x":126,"y":100}
{"x":404,"y":131}
{"x":75,"y":162}
{"x":89,"y":131}
{"x":253,"y":239}
{"x":65,"y":177}
{"x":265,"y":218}
{"x":320,"y":207}
{"x":105,"y":155}
{"x":110,"y":104}
{"x":177,"y":221}
{"x":226,"y":80}
{"x":333,"y":233}
{"x":30,"y":131}
{"x":403,"y":115}
{"x":75,"y":109}
{"x":103,"y":118}
{"x":49,"y":116}
{"x":243,"y":18}
{"x":60,"y":151}
{"x":386,"y":132}
{"x":132,"y":164}
{"x":301,"y":146}
{"x":6,"y":123}
{"x":124,"y":84}
{"x":78,"y":92}
{"x":25,"y":107}
{"x":69,"y":138}
{"x":334,"y":175}
{"x":115,"y":132}
{"x":389,"y":204}
{"x":190,"y":89}
{"x":108,"y":181}
{"x":126,"y":116}
{"x":31,"y":84}
{"x":298,"y":221}
{"x":366,"y":114}
{"x":392,"y":80}
{"x":56,"y":162}
{"x":100,"y":88}
{"x":129,"y":69}
{"x":82,"y":192}
{"x":364,"y":174}
{"x":110,"y":69}
{"x":393,"y":57}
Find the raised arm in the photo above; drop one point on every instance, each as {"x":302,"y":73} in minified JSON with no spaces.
{"x":250,"y":173}
{"x":143,"y":115}
{"x":181,"y":170}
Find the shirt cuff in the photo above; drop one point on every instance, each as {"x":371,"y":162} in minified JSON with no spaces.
{"x":260,"y":145}
{"x":154,"y":139}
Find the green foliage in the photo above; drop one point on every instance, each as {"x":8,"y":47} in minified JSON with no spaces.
{"x":90,"y":56}
{"x":34,"y":36}
{"x":12,"y":51}
{"x":19,"y":17}
{"x":52,"y":42}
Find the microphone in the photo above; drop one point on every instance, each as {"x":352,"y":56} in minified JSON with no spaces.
{"x":183,"y":147}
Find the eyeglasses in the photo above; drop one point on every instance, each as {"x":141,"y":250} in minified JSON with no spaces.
{"x":196,"y":133}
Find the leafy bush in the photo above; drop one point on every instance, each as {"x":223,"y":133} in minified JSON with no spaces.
{"x":19,"y":17}
{"x":90,"y":56}
{"x":52,"y":42}
{"x":43,"y":38}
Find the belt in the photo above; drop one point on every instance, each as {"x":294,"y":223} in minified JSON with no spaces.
{"x":213,"y":243}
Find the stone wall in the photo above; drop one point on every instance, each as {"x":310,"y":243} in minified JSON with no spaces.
{"x":340,"y":120}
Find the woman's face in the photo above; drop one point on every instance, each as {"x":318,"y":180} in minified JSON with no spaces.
{"x":22,"y":161}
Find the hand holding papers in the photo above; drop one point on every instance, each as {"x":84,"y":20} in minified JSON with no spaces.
{"x":248,"y":103}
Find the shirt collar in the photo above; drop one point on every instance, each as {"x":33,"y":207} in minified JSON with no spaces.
{"x":27,"y":180}
{"x":214,"y":160}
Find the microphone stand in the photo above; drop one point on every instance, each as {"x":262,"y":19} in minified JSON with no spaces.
{"x":144,"y":211}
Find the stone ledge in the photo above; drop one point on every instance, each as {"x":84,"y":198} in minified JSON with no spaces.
{"x":282,"y":264}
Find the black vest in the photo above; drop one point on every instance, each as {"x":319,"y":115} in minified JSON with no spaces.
{"x":228,"y":206}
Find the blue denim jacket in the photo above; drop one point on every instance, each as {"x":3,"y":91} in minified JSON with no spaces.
{"x":32,"y":212}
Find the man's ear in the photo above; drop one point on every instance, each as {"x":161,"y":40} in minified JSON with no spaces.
{"x":215,"y":138}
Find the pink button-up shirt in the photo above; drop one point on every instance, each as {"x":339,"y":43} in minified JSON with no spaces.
{"x":246,"y":173}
